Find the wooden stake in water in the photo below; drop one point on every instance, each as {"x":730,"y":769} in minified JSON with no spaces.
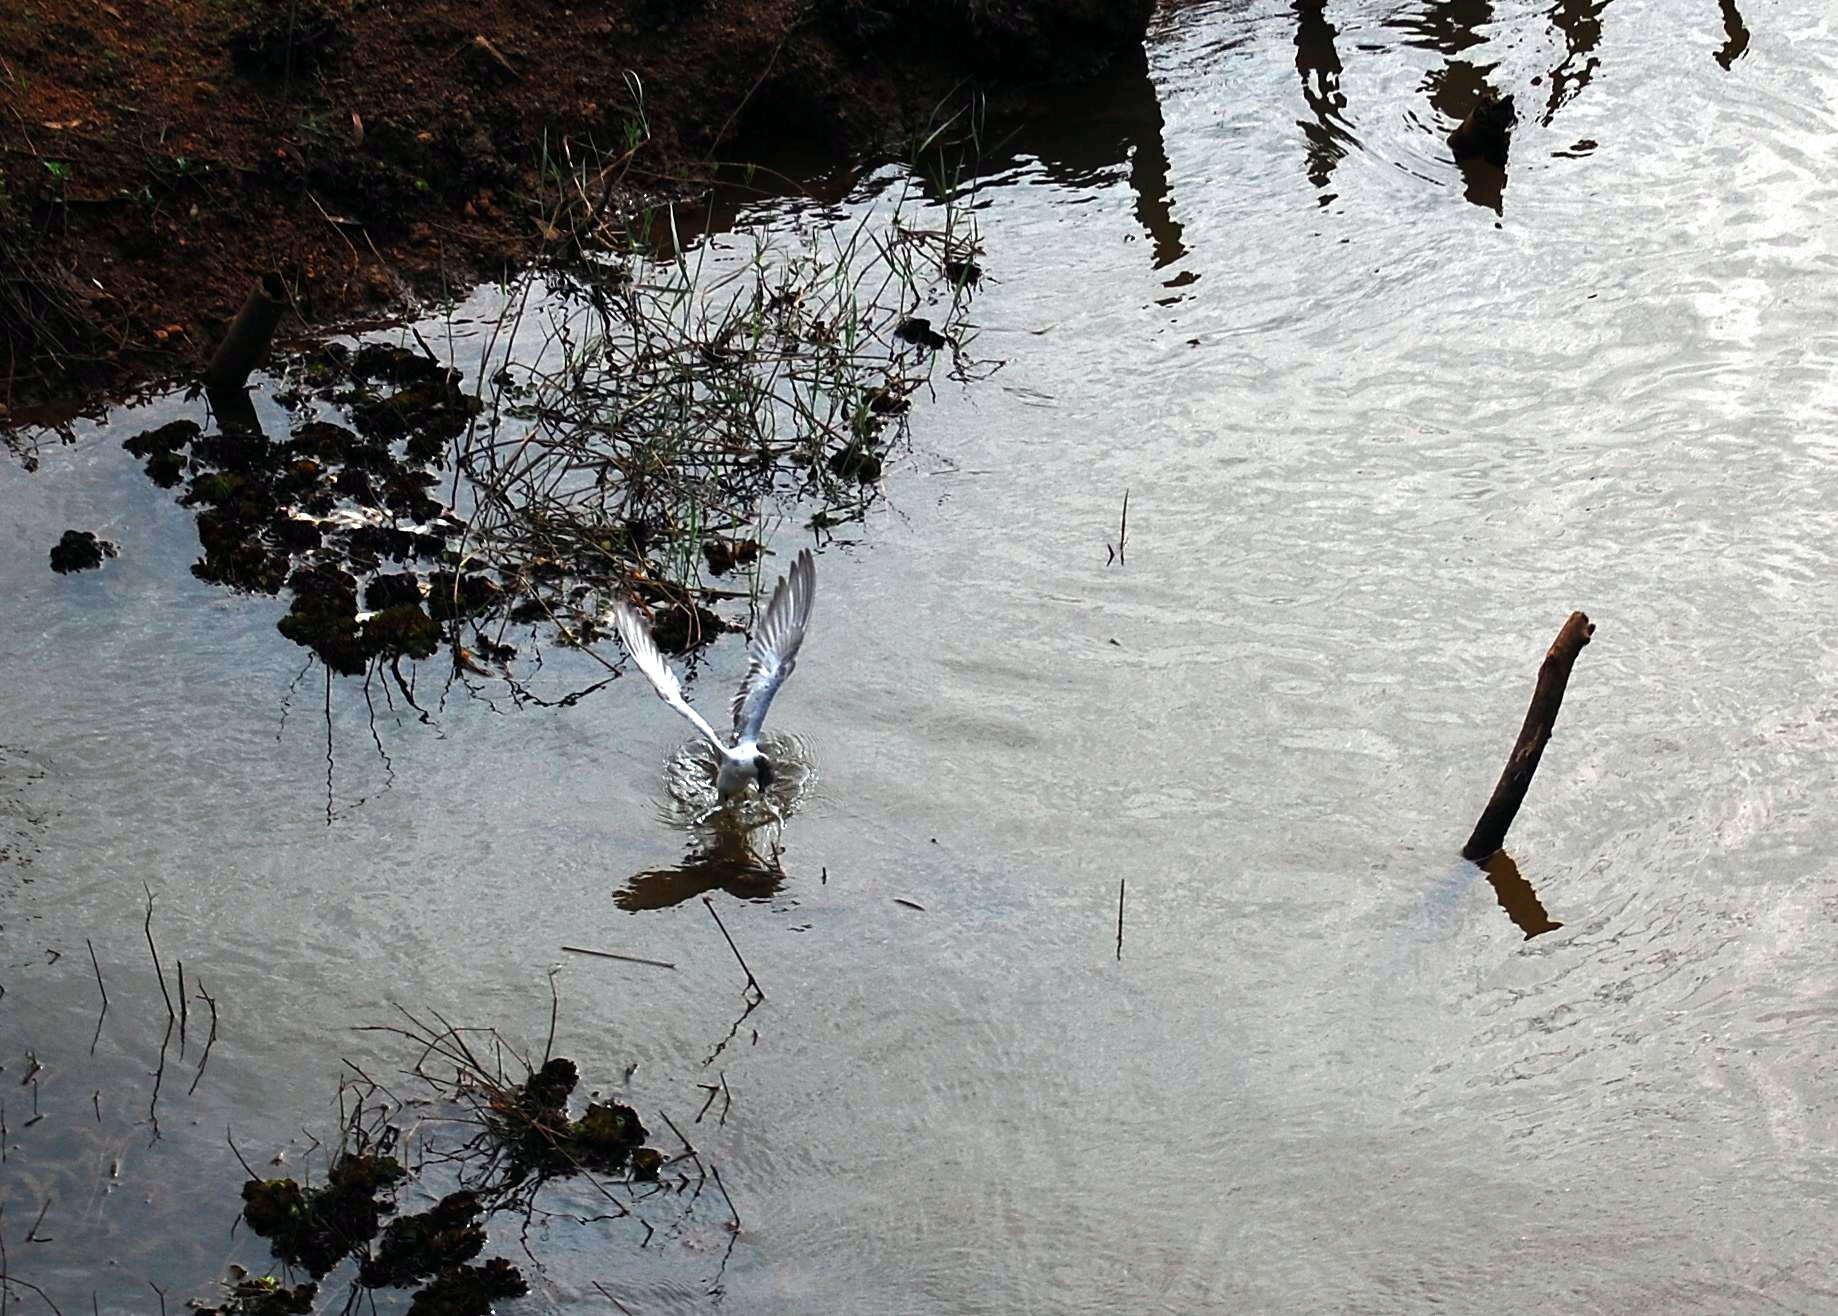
{"x":1547,"y":697}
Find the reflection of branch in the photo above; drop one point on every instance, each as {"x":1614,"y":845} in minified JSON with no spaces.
{"x":1517,"y":898}
{"x":99,"y":987}
{"x":1547,"y":697}
{"x":753,"y":1003}
{"x":1580,"y":21}
{"x":1318,"y":61}
{"x":1736,"y":34}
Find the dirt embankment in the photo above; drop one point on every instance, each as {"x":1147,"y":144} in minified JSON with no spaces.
{"x":155,"y":155}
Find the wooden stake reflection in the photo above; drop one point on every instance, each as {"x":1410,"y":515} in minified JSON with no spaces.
{"x":1516,"y":896}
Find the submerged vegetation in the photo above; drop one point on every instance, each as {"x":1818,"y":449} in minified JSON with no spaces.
{"x":635,"y":421}
{"x":488,"y":1139}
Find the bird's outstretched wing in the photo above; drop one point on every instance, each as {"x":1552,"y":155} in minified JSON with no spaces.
{"x":638,"y":643}
{"x":773,"y":649}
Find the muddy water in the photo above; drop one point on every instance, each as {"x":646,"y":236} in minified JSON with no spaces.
{"x":1382,"y":427}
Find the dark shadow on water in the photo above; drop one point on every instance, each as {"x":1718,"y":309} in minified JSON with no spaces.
{"x":1454,"y":91}
{"x":724,"y":860}
{"x":1447,"y":26}
{"x":1736,"y":36}
{"x":1451,"y":27}
{"x":1318,"y":62}
{"x":1084,"y":134}
{"x":1517,"y":898}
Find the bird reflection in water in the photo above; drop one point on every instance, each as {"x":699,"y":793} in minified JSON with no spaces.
{"x":723,"y":859}
{"x":734,"y":846}
{"x":1517,"y":898}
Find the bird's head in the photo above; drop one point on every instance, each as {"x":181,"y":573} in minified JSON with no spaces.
{"x":762,"y":769}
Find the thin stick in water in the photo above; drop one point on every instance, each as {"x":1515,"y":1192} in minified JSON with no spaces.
{"x":99,"y":987}
{"x":184,"y":1009}
{"x":32,"y":1233}
{"x":548,"y":1045}
{"x":751,"y":980}
{"x":1120,"y":885}
{"x":148,"y":926}
{"x":611,"y":955}
{"x":610,"y":1298}
{"x":716,"y":1171}
{"x":209,"y":1042}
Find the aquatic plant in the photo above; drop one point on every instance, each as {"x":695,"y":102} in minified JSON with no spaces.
{"x":488,"y":1138}
{"x":677,"y":403}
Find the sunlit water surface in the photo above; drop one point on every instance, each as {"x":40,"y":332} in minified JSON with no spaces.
{"x":1382,"y":427}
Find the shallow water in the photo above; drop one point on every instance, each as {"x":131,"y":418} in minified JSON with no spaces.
{"x":1379,"y":438}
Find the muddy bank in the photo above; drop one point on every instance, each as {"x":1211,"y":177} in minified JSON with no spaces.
{"x":161,"y":155}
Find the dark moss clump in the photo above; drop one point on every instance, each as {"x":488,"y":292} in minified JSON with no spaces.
{"x":428,"y":415}
{"x":80,"y":550}
{"x":684,"y":626}
{"x":415,"y":1247}
{"x":163,"y":450}
{"x":316,"y":1228}
{"x":535,"y":1125}
{"x":856,"y":462}
{"x":447,"y":600}
{"x":324,"y":618}
{"x":918,"y":331}
{"x":393,"y":591}
{"x":723,"y":555}
{"x":608,"y":1131}
{"x":470,"y":1290}
{"x":395,"y":366}
{"x":547,"y":1090}
{"x":402,"y":630}
{"x":266,"y":1296}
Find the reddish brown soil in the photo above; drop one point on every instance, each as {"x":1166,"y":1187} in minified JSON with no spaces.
{"x":155,"y":155}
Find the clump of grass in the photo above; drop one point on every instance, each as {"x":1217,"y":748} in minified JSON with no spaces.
{"x":681,"y":399}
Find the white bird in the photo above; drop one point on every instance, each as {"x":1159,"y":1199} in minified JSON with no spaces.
{"x":772,"y":652}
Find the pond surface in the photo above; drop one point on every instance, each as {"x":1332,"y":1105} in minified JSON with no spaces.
{"x":1382,"y":427}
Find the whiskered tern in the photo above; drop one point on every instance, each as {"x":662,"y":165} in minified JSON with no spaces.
{"x":772,"y":652}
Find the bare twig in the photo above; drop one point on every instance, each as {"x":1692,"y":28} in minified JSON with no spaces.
{"x":1120,"y":884}
{"x":103,"y":1013}
{"x":209,"y":1042}
{"x":752,"y":982}
{"x":184,"y":1008}
{"x":716,"y":1171}
{"x":611,"y":955}
{"x":610,"y":1298}
{"x":171,"y":1013}
{"x":548,"y":1045}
